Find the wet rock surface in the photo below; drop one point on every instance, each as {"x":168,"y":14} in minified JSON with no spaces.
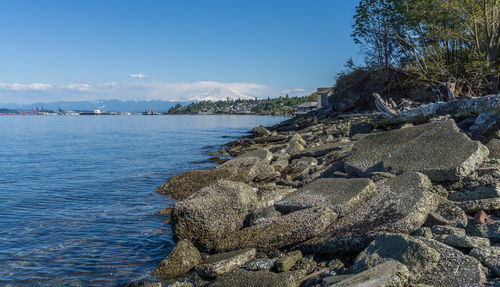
{"x":183,"y":185}
{"x":183,"y":257}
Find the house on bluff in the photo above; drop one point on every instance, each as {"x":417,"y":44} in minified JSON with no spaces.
{"x":321,"y":101}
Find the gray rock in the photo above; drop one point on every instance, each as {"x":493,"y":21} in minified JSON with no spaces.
{"x":250,"y":168}
{"x":464,"y":125}
{"x":423,"y":148}
{"x":435,"y":218}
{"x":317,"y":151}
{"x":298,"y":139}
{"x":260,"y":264}
{"x":301,"y":165}
{"x":329,"y":281}
{"x":483,"y":123}
{"x":494,"y":147}
{"x":281,"y":231}
{"x":243,"y":278}
{"x":337,"y":246}
{"x":288,"y":260}
{"x":218,"y":264}
{"x":271,"y":139}
{"x":401,"y":205}
{"x":387,"y":274}
{"x":466,"y":241}
{"x":270,"y":193}
{"x":339,"y":194}
{"x":481,"y":253}
{"x":490,"y":230}
{"x":476,"y":192}
{"x":294,"y":148}
{"x":324,"y":149}
{"x":424,"y":232}
{"x":358,"y":137}
{"x":183,"y":185}
{"x":453,"y":268}
{"x":452,"y":213}
{"x":260,"y":216}
{"x":447,"y":230}
{"x":280,"y":160}
{"x":416,"y":255}
{"x":261,"y":153}
{"x":493,"y":263}
{"x":213,"y":212}
{"x":473,"y":206}
{"x":260,"y":131}
{"x":183,"y":257}
{"x":360,"y":128}
{"x":489,"y":256}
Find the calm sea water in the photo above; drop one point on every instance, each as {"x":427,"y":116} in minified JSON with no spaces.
{"x":77,"y":206}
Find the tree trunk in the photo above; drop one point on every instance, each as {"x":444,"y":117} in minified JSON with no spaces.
{"x":459,"y":109}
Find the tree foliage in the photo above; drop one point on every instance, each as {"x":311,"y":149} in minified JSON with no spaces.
{"x":439,"y":41}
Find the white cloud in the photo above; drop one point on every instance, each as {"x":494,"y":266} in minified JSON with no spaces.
{"x":139,"y":76}
{"x":25,"y":87}
{"x":136,"y":90}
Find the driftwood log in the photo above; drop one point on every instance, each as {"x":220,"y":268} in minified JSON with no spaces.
{"x":458,"y":109}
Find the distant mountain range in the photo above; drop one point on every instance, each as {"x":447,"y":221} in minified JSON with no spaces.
{"x":105,"y":105}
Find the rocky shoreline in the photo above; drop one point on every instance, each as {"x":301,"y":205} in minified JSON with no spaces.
{"x":333,"y":201}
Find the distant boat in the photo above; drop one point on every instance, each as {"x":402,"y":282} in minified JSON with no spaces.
{"x":150,"y":113}
{"x":95,"y":112}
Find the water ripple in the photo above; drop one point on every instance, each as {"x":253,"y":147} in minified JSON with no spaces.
{"x":77,"y":206}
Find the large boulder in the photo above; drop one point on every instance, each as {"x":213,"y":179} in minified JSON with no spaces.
{"x":183,"y":257}
{"x":401,"y":205}
{"x":280,"y":232}
{"x":415,"y":254}
{"x":387,"y":274}
{"x":183,"y":185}
{"x":213,"y":212}
{"x":453,"y":268}
{"x":341,"y":195}
{"x":424,"y":148}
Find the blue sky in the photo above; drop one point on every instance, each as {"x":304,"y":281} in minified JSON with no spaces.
{"x":170,"y":50}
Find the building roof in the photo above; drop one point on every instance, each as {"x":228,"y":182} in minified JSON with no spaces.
{"x":307,"y":105}
{"x":324,"y":90}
